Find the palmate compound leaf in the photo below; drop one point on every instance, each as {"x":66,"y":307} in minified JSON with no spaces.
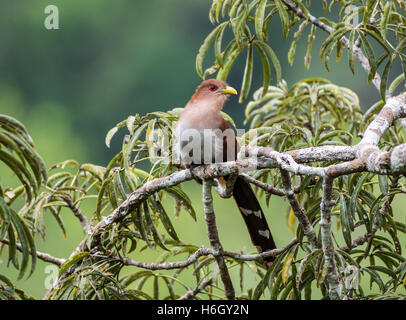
{"x":18,"y":154}
{"x":316,"y":102}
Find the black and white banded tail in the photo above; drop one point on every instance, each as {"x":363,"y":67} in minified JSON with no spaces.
{"x":253,"y":216}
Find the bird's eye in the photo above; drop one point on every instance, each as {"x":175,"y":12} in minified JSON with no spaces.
{"x":213,"y":87}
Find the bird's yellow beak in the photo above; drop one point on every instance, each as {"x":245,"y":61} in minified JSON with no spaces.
{"x":229,"y":90}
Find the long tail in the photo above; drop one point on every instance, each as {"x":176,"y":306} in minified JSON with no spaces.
{"x":254,"y":217}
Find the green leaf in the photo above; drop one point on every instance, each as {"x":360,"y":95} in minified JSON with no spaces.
{"x":370,"y":56}
{"x":234,"y":52}
{"x":368,"y":10}
{"x":163,"y":216}
{"x":345,"y":222}
{"x":291,"y":52}
{"x":217,"y":46}
{"x":139,"y":223}
{"x":274,"y":59}
{"x":354,"y":194}
{"x":284,"y":17}
{"x":334,"y":36}
{"x":308,"y":56}
{"x":234,"y":8}
{"x":286,"y":266}
{"x":205,"y":47}
{"x":376,"y":34}
{"x":383,"y":184}
{"x":350,"y":52}
{"x":385,"y":17}
{"x":20,"y":171}
{"x":71,"y":261}
{"x":24,"y":237}
{"x":395,"y":83}
{"x":247,"y":78}
{"x":151,"y":226}
{"x":181,"y":196}
{"x":131,"y":144}
{"x":259,"y":19}
{"x":384,"y":79}
{"x":304,"y":263}
{"x":96,"y":171}
{"x":110,"y":135}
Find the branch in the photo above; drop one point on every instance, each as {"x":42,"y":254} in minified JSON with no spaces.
{"x":265,"y":254}
{"x":42,"y":256}
{"x":327,"y":244}
{"x":192,"y":293}
{"x":394,"y":108}
{"x":214,"y":239}
{"x":201,"y":252}
{"x":267,"y":187}
{"x":77,"y":212}
{"x":356,"y":242}
{"x":225,"y":187}
{"x":298,"y":210}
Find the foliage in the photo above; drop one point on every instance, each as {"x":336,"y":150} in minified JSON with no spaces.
{"x":310,"y":113}
{"x":381,"y":23}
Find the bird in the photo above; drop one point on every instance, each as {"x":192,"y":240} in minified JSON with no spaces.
{"x":204,"y":136}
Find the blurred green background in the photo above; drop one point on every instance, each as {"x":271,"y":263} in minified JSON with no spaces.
{"x":111,"y":59}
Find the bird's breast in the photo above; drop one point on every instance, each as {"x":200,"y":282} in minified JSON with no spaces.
{"x":203,"y":142}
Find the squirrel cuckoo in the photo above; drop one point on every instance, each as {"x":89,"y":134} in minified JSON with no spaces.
{"x":205,"y":137}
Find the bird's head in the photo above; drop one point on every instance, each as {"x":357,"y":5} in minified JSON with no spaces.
{"x":213,"y":92}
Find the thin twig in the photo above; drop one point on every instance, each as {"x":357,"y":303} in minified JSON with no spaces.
{"x":201,"y":252}
{"x":77,"y":212}
{"x":41,"y":255}
{"x":267,"y":187}
{"x":298,"y":210}
{"x":193,"y":293}
{"x":359,"y":241}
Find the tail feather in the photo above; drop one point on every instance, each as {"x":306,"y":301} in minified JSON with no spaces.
{"x":253,"y":216}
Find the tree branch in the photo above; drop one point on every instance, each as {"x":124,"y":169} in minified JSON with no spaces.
{"x":298,"y":210}
{"x":327,"y":244}
{"x":41,"y":255}
{"x":214,"y":239}
{"x":77,"y":212}
{"x":201,"y":252}
{"x":193,"y":293}
{"x":267,"y":187}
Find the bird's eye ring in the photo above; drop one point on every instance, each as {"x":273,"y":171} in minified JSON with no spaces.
{"x":213,"y":87}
